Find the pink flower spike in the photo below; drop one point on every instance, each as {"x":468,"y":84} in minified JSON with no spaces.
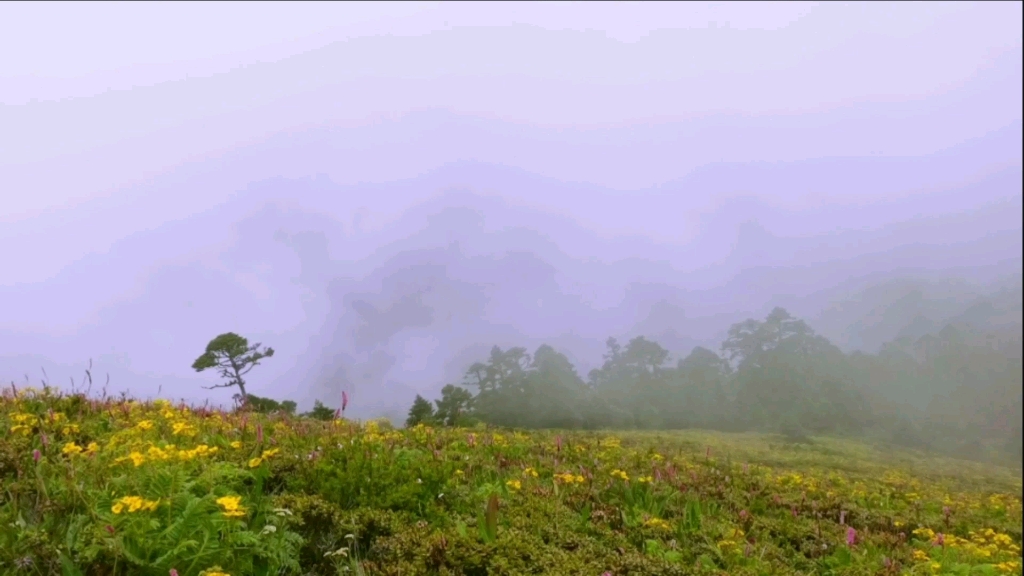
{"x":851,"y":536}
{"x":36,"y":455}
{"x":344,"y":401}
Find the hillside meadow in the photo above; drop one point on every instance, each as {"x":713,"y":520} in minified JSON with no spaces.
{"x":117,"y":487}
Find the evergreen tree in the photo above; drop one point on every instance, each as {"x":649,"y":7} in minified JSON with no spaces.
{"x":421,"y":412}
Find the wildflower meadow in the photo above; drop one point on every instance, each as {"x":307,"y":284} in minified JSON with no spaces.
{"x":117,"y":487}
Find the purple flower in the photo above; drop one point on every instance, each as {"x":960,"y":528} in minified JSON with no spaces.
{"x":36,"y":455}
{"x":851,"y":536}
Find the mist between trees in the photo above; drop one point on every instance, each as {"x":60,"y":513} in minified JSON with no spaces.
{"x":956,"y":392}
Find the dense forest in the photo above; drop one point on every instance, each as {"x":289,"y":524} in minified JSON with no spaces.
{"x":957,"y":390}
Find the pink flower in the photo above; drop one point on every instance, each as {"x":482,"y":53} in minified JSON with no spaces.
{"x":173,"y":572}
{"x":36,"y":455}
{"x":344,"y":401}
{"x":940,"y":539}
{"x":851,"y":536}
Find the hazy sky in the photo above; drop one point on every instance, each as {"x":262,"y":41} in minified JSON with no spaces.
{"x":666,"y":122}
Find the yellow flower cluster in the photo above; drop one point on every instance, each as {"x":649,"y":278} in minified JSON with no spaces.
{"x":791,"y":479}
{"x":658,"y":524}
{"x":645,"y":479}
{"x":232,"y":506}
{"x":620,"y":474}
{"x":183,"y":429}
{"x":133,"y":504}
{"x":569,"y":478}
{"x":514,"y":484}
{"x":25,"y":423}
{"x":530,"y":472}
{"x":72,"y":449}
{"x":168,"y":453}
{"x":1011,"y":567}
{"x":255,"y":462}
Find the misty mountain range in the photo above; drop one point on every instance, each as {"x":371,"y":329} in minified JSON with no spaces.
{"x":483,"y":255}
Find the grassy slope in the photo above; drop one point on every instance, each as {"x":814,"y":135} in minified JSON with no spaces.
{"x":94,"y":487}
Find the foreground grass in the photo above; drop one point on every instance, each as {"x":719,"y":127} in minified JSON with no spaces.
{"x":120,"y":487}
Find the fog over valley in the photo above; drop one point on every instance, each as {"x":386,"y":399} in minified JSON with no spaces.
{"x":384,"y":208}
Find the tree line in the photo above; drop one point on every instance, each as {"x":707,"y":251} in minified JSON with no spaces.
{"x":957,"y":391}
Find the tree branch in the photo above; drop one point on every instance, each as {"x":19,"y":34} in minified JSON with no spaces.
{"x":229,"y":385}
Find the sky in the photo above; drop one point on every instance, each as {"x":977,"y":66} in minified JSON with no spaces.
{"x":137,"y":138}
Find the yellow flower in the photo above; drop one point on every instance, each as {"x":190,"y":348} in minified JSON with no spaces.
{"x":530,"y":472}
{"x":620,"y":474}
{"x":236,"y":444}
{"x":920,"y":556}
{"x":92,"y":448}
{"x":514,"y":484}
{"x":133,"y":504}
{"x":255,"y":462}
{"x":644,"y":479}
{"x":71,"y":449}
{"x":925,"y":533}
{"x":232,"y":506}
{"x":271,"y":452}
{"x":144,"y":425}
{"x":658,"y":523}
{"x":215,"y":571}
